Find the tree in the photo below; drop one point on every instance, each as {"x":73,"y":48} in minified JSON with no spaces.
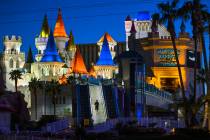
{"x":193,"y":10}
{"x":206,"y":19}
{"x":72,"y":82}
{"x":33,"y":86}
{"x":54,"y":88}
{"x":15,"y":75}
{"x":168,"y":15}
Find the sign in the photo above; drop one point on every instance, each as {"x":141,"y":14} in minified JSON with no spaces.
{"x":191,"y":59}
{"x":166,"y":57}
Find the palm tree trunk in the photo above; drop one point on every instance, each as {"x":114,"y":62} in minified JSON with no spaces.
{"x":205,"y":115}
{"x":54,"y":103}
{"x":35,"y":98}
{"x":208,"y":81}
{"x":195,"y":66}
{"x":180,"y":75}
{"x":16,"y":81}
{"x":207,"y":109}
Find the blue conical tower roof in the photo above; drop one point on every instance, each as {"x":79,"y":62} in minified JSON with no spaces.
{"x":105,"y":57}
{"x":50,"y":53}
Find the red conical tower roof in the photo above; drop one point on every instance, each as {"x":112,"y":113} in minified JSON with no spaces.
{"x":78,"y":65}
{"x":59,"y":30}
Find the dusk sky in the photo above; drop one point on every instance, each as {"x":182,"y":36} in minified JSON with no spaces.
{"x":88,"y":19}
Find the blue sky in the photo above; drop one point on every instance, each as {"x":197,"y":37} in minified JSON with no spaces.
{"x":88,"y":19}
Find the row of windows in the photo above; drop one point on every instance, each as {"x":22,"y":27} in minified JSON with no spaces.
{"x":11,"y":63}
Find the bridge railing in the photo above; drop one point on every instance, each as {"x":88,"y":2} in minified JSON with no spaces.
{"x":150,"y":89}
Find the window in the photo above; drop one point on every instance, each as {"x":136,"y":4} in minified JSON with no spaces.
{"x":11,"y":63}
{"x":17,"y":64}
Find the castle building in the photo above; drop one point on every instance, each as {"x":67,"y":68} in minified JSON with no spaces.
{"x":51,"y":63}
{"x":143,"y":25}
{"x":58,"y":57}
{"x":157,"y":51}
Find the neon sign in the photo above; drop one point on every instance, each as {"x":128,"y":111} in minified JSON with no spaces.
{"x":166,"y":57}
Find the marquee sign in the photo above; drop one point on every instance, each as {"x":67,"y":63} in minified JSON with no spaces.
{"x":166,"y":57}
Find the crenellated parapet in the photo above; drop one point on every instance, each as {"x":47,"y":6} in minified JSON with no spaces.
{"x":12,"y":44}
{"x":12,"y":38}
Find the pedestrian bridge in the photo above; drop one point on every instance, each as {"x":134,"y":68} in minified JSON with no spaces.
{"x":112,"y":100}
{"x":150,"y":95}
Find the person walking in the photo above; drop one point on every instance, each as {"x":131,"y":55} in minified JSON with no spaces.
{"x":97,"y":105}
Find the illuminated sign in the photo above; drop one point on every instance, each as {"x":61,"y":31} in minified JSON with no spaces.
{"x":166,"y":57}
{"x":191,"y":59}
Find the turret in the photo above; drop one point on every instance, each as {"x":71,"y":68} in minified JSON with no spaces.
{"x":71,"y":47}
{"x":128,"y":23}
{"x":51,"y":65}
{"x":183,"y":34}
{"x":105,"y":66}
{"x":132,"y":38}
{"x":78,"y":65}
{"x":29,"y":61}
{"x":60,"y":34}
{"x":11,"y":59}
{"x":12,"y":44}
{"x":111,"y":43}
{"x":41,"y":40}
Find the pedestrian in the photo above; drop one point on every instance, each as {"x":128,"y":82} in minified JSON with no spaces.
{"x":97,"y":105}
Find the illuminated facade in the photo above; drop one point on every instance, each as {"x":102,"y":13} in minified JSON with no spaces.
{"x":12,"y":58}
{"x":158,"y":53}
{"x":142,"y":24}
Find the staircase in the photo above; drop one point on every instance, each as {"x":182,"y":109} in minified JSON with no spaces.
{"x":96,"y":93}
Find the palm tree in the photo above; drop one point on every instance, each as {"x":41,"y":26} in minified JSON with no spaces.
{"x":72,"y":82}
{"x":54,"y":88}
{"x":195,"y":104}
{"x":206,"y":18}
{"x":193,"y":10}
{"x":15,"y":75}
{"x":168,"y":15}
{"x":33,"y":86}
{"x":201,"y":79}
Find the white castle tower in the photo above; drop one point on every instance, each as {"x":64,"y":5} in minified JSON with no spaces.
{"x":111,"y":43}
{"x":12,"y":58}
{"x":128,"y":24}
{"x":143,"y":23}
{"x":41,"y":40}
{"x":60,"y":35}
